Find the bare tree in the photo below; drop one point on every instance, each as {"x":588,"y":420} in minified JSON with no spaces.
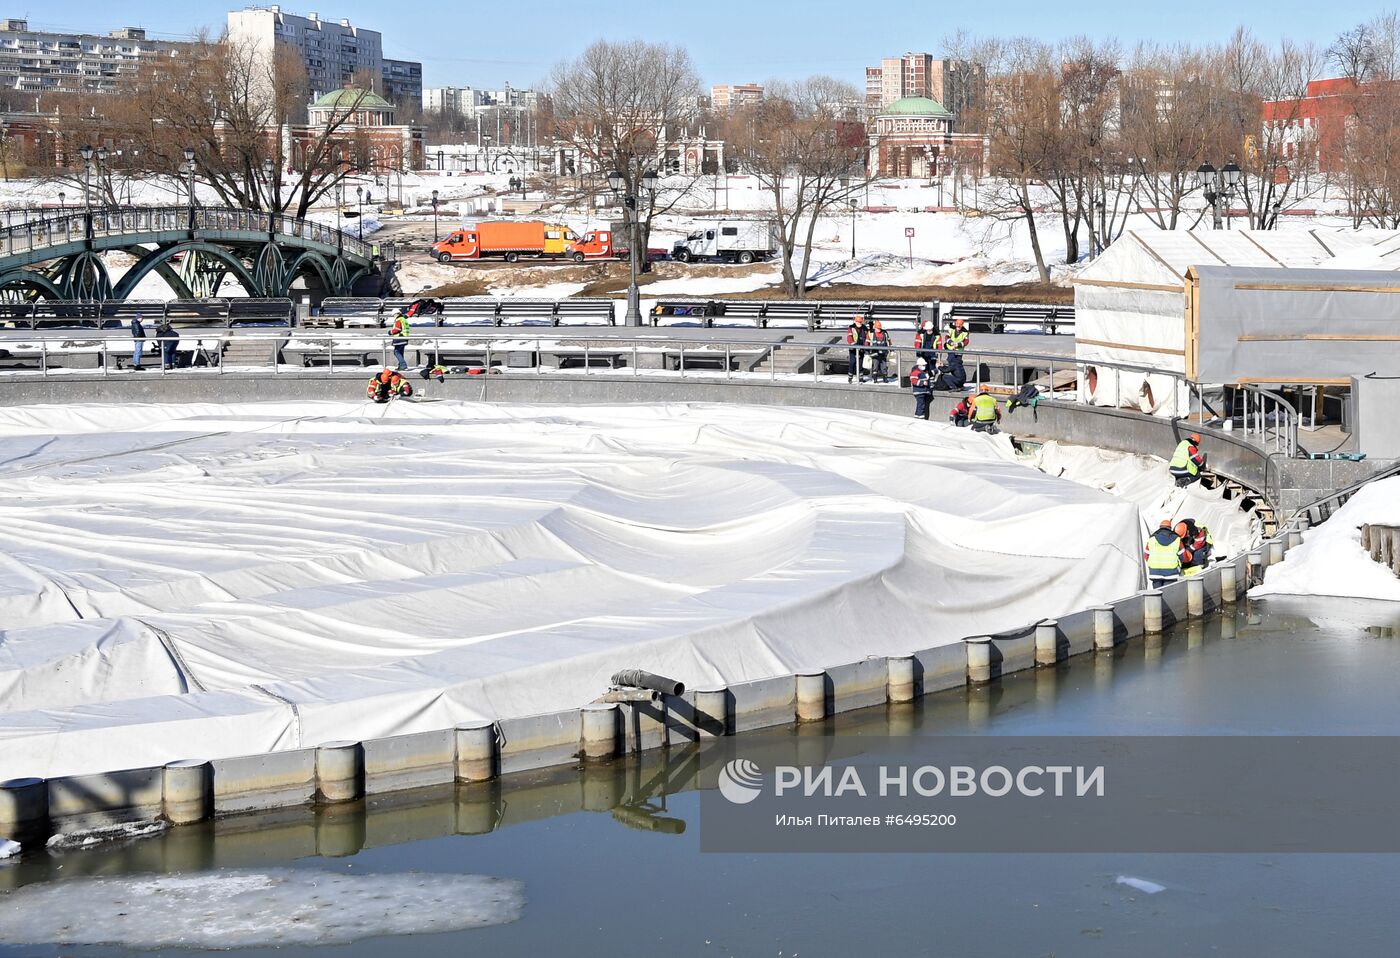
{"x":619,"y":105}
{"x":802,"y":144}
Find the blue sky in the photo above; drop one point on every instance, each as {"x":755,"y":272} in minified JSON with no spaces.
{"x":470,"y":43}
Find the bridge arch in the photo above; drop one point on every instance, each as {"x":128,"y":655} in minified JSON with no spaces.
{"x":162,"y":255}
{"x":26,"y":279}
{"x":307,"y":263}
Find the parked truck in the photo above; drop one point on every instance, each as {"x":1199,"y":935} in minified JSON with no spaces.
{"x":603,"y":244}
{"x":506,"y":240}
{"x":730,"y":241}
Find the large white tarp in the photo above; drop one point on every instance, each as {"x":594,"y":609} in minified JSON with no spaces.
{"x":204,"y":581}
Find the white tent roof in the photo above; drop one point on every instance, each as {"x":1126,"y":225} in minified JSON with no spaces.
{"x":1160,"y":258}
{"x":1382,"y":255}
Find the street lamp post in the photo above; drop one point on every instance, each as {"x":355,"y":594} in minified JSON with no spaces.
{"x":86,"y":154}
{"x":629,"y":202}
{"x":854,"y":206}
{"x":272,"y":194}
{"x":435,"y":206}
{"x":360,"y":213}
{"x":486,"y":160}
{"x":1217,"y":186}
{"x":189,"y":168}
{"x":101,"y":161}
{"x":61,"y":196}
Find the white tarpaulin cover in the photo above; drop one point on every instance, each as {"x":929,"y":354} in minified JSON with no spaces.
{"x":203,"y":581}
{"x":1130,"y":303}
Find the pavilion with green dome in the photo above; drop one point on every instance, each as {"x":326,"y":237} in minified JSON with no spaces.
{"x":914,"y":137}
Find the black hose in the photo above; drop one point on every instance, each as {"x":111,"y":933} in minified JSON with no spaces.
{"x":640,"y":679}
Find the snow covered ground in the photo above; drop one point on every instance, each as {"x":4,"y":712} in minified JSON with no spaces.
{"x":1331,"y":560}
{"x":173,"y":576}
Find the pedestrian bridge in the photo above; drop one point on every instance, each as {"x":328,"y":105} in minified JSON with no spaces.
{"x":58,"y":254}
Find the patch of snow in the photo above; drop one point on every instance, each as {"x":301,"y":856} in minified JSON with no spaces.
{"x":254,"y":909}
{"x":1141,"y":884}
{"x":125,"y":832}
{"x":8,"y":849}
{"x":1331,"y":560}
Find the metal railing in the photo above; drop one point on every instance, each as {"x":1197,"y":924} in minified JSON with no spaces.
{"x":1268,"y":420}
{"x":28,"y":231}
{"x":1320,"y":510}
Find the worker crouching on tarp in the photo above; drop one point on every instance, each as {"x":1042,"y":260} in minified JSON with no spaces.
{"x":1163,"y":555}
{"x":388,"y":385}
{"x":985,"y":412}
{"x":919,"y":385}
{"x":1197,"y":546}
{"x":1188,"y":460}
{"x":962,"y":412}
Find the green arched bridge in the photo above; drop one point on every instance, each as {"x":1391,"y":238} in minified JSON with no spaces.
{"x":58,"y":254}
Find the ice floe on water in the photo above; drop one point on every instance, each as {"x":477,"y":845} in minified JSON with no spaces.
{"x":8,"y":849}
{"x":1141,"y":884}
{"x":125,"y":832}
{"x":247,"y":909}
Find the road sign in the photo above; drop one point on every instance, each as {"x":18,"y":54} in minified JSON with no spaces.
{"x":909,"y":232}
{"x":909,"y":235}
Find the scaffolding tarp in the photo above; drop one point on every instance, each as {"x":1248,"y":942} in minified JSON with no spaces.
{"x":1299,"y":325}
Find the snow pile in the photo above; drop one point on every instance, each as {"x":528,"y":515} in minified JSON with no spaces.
{"x":1144,"y":481}
{"x":1331,"y":560}
{"x":106,"y":834}
{"x":205,"y":580}
{"x":1141,"y":884}
{"x":8,"y":849}
{"x":254,"y":909}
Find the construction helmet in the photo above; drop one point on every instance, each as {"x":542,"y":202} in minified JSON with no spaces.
{"x":1195,"y":437}
{"x":958,"y":322}
{"x":1181,"y":529}
{"x":1165,"y":524}
{"x":921,"y":362}
{"x":983,"y":388}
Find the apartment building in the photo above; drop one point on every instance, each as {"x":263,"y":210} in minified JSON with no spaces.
{"x":333,"y":52}
{"x":37,"y":61}
{"x":955,"y":84}
{"x":725,"y":97}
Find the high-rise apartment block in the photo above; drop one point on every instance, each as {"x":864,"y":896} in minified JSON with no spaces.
{"x":333,"y":52}
{"x":956,"y":84}
{"x":725,"y":97}
{"x":34,"y":61}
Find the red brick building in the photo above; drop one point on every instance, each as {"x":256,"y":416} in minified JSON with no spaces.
{"x":1319,"y":119}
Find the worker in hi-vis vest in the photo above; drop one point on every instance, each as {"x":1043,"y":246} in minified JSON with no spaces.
{"x":985,"y":412}
{"x":399,"y":333}
{"x":1163,"y":555}
{"x":1188,"y":460}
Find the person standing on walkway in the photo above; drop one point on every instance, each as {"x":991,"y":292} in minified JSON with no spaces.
{"x":919,"y":384}
{"x":1188,"y":460}
{"x":879,"y":357}
{"x":926,"y":342}
{"x":1163,"y":555}
{"x":398,"y":335}
{"x":985,"y":412}
{"x":169,"y":341}
{"x":952,"y":343}
{"x":138,"y":341}
{"x":856,"y":336}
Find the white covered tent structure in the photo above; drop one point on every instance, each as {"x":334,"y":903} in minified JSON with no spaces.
{"x":1132,"y":305}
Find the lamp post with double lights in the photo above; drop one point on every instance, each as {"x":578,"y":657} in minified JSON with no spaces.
{"x":269,"y":172}
{"x":188,"y":168}
{"x":486,"y":160}
{"x":1218,"y":186}
{"x":630,"y":202}
{"x":435,"y":206}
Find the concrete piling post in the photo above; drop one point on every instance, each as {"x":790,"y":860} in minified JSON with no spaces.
{"x":712,"y":713}
{"x":1195,"y":597}
{"x":811,"y":696}
{"x":1152,"y":611}
{"x":899,"y":683}
{"x":1228,"y":589}
{"x":1295,"y":539}
{"x":1304,"y":522}
{"x":1277,"y":548}
{"x":24,"y":805}
{"x":1104,"y":627}
{"x":979,"y":658}
{"x":600,"y":730}
{"x":477,"y":754}
{"x":1047,"y":642}
{"x":1257,"y":564}
{"x":340,"y":771}
{"x":187,"y":791}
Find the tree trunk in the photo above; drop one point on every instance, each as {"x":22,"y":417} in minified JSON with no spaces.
{"x":1035,"y":236}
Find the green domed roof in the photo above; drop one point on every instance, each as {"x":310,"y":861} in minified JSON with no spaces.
{"x":350,"y":98}
{"x":916,"y":106}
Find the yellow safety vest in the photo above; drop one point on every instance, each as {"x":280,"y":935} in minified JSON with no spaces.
{"x":1181,"y":459}
{"x":401,"y":327}
{"x":984,"y":407}
{"x":956,"y":338}
{"x":1164,"y":559}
